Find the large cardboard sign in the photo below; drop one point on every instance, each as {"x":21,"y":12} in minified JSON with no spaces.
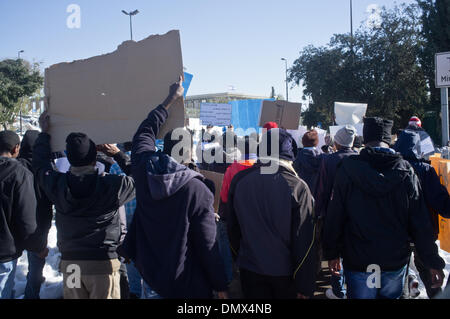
{"x":215,"y":114}
{"x":217,"y":178}
{"x":443,"y":70}
{"x":285,"y":114}
{"x":349,"y":113}
{"x":108,"y":96}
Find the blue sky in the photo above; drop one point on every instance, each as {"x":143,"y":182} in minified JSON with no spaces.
{"x":226,"y":42}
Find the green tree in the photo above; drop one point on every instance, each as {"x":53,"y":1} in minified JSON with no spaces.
{"x":382,"y":70}
{"x":19,"y":80}
{"x":435,"y":16}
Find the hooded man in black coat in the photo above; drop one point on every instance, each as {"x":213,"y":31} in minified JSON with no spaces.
{"x":271,"y":224}
{"x":377,"y":208}
{"x":88,"y":220}
{"x":435,"y":194}
{"x":172,"y":237}
{"x":17,"y":212}
{"x":44,"y":216}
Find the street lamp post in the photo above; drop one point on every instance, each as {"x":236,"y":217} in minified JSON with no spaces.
{"x":131,"y":14}
{"x":287,"y":90}
{"x":20,"y":108}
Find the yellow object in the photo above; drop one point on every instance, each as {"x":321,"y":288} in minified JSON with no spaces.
{"x":442,"y":167}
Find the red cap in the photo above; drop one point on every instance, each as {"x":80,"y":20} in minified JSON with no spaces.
{"x":270,"y":125}
{"x":415,"y":121}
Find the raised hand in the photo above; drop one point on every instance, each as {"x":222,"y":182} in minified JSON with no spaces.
{"x":176,"y":91}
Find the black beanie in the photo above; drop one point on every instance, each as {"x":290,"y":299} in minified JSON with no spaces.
{"x":287,"y":145}
{"x":81,"y":151}
{"x":8,"y":140}
{"x":28,"y":140}
{"x":377,"y":129}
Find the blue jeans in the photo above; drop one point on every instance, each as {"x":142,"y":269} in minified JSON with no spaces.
{"x":34,"y":276}
{"x":134,"y":279}
{"x":149,"y":293}
{"x":337,"y":284}
{"x":391,"y":284}
{"x":7,"y":275}
{"x":224,"y":249}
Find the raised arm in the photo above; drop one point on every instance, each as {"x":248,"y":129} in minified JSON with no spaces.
{"x":145,"y":138}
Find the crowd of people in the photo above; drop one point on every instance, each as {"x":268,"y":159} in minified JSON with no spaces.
{"x":142,"y":223}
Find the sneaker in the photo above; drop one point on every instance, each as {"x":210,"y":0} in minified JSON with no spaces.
{"x":330,"y":294}
{"x":414,"y":291}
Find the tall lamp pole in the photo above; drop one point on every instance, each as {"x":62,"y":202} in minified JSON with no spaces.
{"x":287,"y":90}
{"x":20,"y":109}
{"x":131,"y":14}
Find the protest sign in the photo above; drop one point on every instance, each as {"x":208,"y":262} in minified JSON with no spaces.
{"x":108,"y":96}
{"x":349,"y":113}
{"x":285,"y":114}
{"x":215,"y":114}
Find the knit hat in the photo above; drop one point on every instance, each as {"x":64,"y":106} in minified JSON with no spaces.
{"x":415,"y":121}
{"x":8,"y":140}
{"x":377,"y":129}
{"x":310,"y":139}
{"x":270,"y":125}
{"x":81,"y":151}
{"x":345,"y":136}
{"x":287,"y":145}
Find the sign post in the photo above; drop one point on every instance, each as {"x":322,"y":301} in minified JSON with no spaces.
{"x":443,"y":82}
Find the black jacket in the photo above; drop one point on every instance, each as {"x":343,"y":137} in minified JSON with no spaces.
{"x":270,"y":220}
{"x":87,"y":217}
{"x":44,"y":208}
{"x":17,"y":210}
{"x":172,"y":237}
{"x":307,"y":165}
{"x":377,"y":207}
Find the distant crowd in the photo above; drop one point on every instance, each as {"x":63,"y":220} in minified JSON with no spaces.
{"x":137,"y":222}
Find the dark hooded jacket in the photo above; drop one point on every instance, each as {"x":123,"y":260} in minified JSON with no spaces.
{"x":172,"y":238}
{"x":44,"y":209}
{"x":87,"y":207}
{"x":17,"y":210}
{"x":435,"y":194}
{"x":325,"y":179}
{"x":307,"y":165}
{"x":377,"y":207}
{"x":271,"y":222}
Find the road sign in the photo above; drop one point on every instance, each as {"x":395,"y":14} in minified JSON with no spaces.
{"x":442,"y":70}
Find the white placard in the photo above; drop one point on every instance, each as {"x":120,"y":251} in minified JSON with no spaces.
{"x":442,"y":70}
{"x":215,"y":114}
{"x":349,"y":113}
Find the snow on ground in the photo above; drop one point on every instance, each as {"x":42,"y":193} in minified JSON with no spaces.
{"x":52,"y":288}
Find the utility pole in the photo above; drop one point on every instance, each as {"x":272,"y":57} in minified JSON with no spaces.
{"x":20,"y":108}
{"x":131,"y":14}
{"x":287,"y":89}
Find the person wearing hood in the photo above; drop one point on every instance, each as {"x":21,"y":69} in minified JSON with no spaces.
{"x":308,"y":159}
{"x":343,"y":142}
{"x":271,"y":225}
{"x":426,"y":143}
{"x":172,"y":237}
{"x":88,"y":217}
{"x":377,"y":207}
{"x":436,"y":195}
{"x":44,"y":216}
{"x":17,"y":212}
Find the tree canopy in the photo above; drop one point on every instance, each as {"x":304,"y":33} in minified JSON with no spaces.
{"x":380,"y":66}
{"x":18,"y":79}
